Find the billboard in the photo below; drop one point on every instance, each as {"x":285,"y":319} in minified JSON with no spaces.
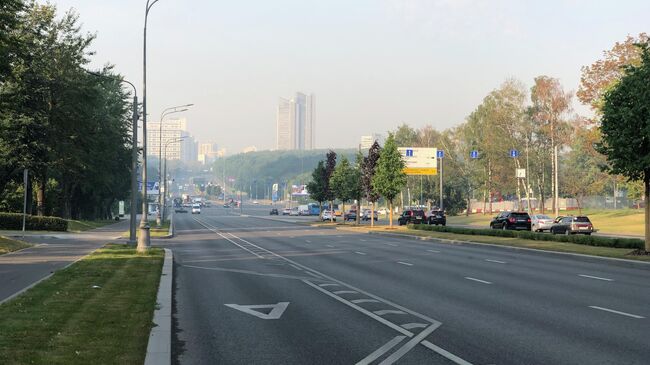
{"x":419,"y":160}
{"x":153,"y":188}
{"x":299,"y":190}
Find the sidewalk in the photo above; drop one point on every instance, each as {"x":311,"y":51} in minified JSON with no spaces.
{"x":52,"y":251}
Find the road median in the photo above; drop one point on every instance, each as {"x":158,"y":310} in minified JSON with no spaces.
{"x":11,"y":245}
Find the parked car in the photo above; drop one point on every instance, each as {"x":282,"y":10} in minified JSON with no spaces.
{"x":180,"y":210}
{"x":511,"y":220}
{"x":274,"y":211}
{"x":196,"y":208}
{"x":226,"y":205}
{"x":294,"y":211}
{"x":411,"y":216}
{"x":382,"y":211}
{"x":366,"y":215}
{"x":573,"y":225}
{"x":541,"y":222}
{"x":327,"y":216}
{"x":286,"y":211}
{"x":255,"y":202}
{"x":437,"y":217}
{"x":338,"y":212}
{"x":351,"y":215}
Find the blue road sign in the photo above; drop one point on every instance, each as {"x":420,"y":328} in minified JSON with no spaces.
{"x":440,"y":154}
{"x":514,"y":153}
{"x":473,"y":154}
{"x":409,"y":153}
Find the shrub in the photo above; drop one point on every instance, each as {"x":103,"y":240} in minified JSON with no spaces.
{"x":615,"y":242}
{"x":14,"y":221}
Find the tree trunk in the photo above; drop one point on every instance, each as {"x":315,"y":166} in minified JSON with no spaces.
{"x":372,"y":214}
{"x":646,"y":183}
{"x":40,"y":197}
{"x":343,"y":211}
{"x":390,"y":215}
{"x":331,"y":211}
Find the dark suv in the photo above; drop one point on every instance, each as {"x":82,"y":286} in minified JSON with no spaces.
{"x":572,"y":225}
{"x":411,"y":216}
{"x":511,"y":220}
{"x":437,"y":217}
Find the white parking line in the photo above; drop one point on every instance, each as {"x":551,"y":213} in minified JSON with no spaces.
{"x":359,"y":253}
{"x":595,"y":277}
{"x":477,"y":280}
{"x":495,"y":261}
{"x":616,"y":312}
{"x":405,"y":263}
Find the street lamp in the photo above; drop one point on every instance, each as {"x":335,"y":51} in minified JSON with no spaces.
{"x":164,"y":203}
{"x":165,"y":112}
{"x":144,"y":240}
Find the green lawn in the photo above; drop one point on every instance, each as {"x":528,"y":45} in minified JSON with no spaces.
{"x":8,"y":245}
{"x":80,"y":226}
{"x":621,"y":221}
{"x":65,"y":320}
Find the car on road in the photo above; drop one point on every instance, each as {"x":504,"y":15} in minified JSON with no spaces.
{"x":226,"y":205}
{"x":286,"y":211}
{"x":273,"y":211}
{"x":511,"y":220}
{"x":351,"y":215}
{"x":411,"y":216}
{"x":294,"y":211}
{"x":180,"y":210}
{"x":437,"y":217}
{"x":573,"y":225}
{"x":327,"y":216}
{"x":366,"y":215}
{"x":541,"y":223}
{"x":255,"y":202}
{"x":196,"y":208}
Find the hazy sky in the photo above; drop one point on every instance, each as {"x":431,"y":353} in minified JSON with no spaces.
{"x":372,"y":64}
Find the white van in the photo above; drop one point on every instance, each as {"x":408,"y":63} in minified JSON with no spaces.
{"x":196,"y":208}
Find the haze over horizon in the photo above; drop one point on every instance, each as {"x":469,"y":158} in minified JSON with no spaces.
{"x":369,"y":63}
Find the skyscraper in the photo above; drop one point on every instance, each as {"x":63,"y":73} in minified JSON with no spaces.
{"x":172,"y":130}
{"x":295,"y":123}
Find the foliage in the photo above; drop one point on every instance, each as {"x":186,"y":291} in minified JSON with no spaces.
{"x":330,"y":167}
{"x":345,"y":181}
{"x":14,"y":221}
{"x":316,"y":187}
{"x":389,"y":177}
{"x":368,"y":170}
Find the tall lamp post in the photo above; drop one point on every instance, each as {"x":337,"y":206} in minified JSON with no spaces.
{"x":165,"y":112}
{"x":144,"y":240}
{"x":164,"y":203}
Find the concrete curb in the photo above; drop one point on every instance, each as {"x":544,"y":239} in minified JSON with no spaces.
{"x":159,"y":349}
{"x":459,"y":242}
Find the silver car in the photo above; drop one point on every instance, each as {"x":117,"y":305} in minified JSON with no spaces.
{"x":540,"y":222}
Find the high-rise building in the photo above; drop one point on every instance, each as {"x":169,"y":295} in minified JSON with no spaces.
{"x":296,"y":123}
{"x":367,"y":141}
{"x":185,"y":150}
{"x":208,"y":152}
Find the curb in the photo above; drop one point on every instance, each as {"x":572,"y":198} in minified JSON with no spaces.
{"x":460,"y":242}
{"x":159,"y":347}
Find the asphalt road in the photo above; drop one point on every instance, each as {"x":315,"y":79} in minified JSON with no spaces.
{"x":256,"y":289}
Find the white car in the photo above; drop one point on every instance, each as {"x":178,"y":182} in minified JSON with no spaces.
{"x":540,"y":223}
{"x":327,"y":216}
{"x":382,"y":211}
{"x":255,"y":202}
{"x":294,"y":211}
{"x":196,"y":208}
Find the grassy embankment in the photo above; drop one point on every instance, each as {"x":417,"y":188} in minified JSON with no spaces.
{"x":97,"y":311}
{"x":80,"y":226}
{"x":9,"y":245}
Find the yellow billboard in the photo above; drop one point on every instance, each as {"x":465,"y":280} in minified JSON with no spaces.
{"x":419,"y":160}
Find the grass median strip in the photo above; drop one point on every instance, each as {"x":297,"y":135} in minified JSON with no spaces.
{"x":9,"y":245}
{"x":80,"y":226}
{"x":97,"y":311}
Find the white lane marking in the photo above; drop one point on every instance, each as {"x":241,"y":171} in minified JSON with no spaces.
{"x":495,"y":261}
{"x":380,"y":351}
{"x":617,"y":312}
{"x":282,"y":276}
{"x":362,"y":240}
{"x":595,"y":277}
{"x":295,"y":267}
{"x":312,"y":274}
{"x":477,"y":280}
{"x":308,"y":241}
{"x":405,"y":263}
{"x":445,"y":353}
{"x":407,"y":346}
{"x":228,"y":239}
{"x":359,"y":253}
{"x":357,"y":301}
{"x":328,"y":284}
{"x":330,"y":246}
{"x":275,"y":313}
{"x":387,"y":311}
{"x":434,"y":251}
{"x":390,"y":244}
{"x":410,"y":326}
{"x":345,"y":292}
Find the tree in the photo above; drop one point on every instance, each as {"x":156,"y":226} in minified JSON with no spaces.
{"x":389,"y":177}
{"x":345,"y":182}
{"x":316,"y":187}
{"x":625,"y":127}
{"x":330,"y":166}
{"x":368,"y":170}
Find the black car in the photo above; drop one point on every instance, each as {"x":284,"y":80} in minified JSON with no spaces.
{"x":411,"y":216}
{"x":350,"y":216}
{"x":274,"y":211}
{"x":511,"y":220}
{"x":180,"y":210}
{"x":572,"y":225}
{"x":437,"y":217}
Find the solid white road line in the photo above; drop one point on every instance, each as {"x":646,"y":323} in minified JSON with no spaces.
{"x":434,"y":251}
{"x":595,"y":277}
{"x":477,"y":280}
{"x":404,"y":263}
{"x":359,"y":253}
{"x":495,"y":261}
{"x":380,"y":351}
{"x":616,"y":312}
{"x":408,"y":346}
{"x":445,"y":353}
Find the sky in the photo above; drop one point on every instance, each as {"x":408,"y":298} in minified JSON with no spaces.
{"x":372,"y":64}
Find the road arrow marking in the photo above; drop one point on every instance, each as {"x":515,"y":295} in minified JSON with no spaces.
{"x":275,"y":313}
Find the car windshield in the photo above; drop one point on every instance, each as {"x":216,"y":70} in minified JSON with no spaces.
{"x":519,"y":215}
{"x":542,"y":216}
{"x":581,"y":220}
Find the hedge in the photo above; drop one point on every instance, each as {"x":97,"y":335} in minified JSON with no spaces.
{"x":616,"y":242}
{"x":14,"y":221}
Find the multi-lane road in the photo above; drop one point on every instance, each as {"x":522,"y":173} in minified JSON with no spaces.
{"x":255,"y":289}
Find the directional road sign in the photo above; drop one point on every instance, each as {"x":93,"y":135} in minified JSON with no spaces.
{"x":473,"y":154}
{"x":514,"y":153}
{"x":440,"y":154}
{"x":419,"y":160}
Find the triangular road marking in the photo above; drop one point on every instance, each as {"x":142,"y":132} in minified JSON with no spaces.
{"x":275,"y":313}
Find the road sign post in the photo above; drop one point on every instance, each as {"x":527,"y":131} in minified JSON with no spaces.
{"x":441,"y":154}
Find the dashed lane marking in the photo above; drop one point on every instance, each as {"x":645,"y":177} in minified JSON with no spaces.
{"x":595,"y":277}
{"x":359,"y":253}
{"x":495,"y":261}
{"x":616,"y":312}
{"x":434,"y":251}
{"x":405,"y":263}
{"x":477,"y":280}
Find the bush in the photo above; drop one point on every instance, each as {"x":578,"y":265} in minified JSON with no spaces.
{"x":615,"y":242}
{"x":14,"y":221}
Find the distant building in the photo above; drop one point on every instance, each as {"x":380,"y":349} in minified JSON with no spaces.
{"x":173,"y":130}
{"x":208,"y":152}
{"x":295,"y":123}
{"x":249,"y":149}
{"x":367,"y":141}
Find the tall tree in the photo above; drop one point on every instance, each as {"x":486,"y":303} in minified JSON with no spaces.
{"x":389,"y":177}
{"x":345,"y":182}
{"x":625,"y":128}
{"x":316,"y":187}
{"x":368,"y":170}
{"x":330,"y":166}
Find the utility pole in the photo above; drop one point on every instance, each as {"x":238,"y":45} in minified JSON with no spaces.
{"x":442,"y":204}
{"x":25,"y":183}
{"x":556,"y":198}
{"x":134,"y":172}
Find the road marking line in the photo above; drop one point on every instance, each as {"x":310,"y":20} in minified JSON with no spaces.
{"x":390,"y":244}
{"x":308,"y":241}
{"x":357,"y":301}
{"x":281,"y":276}
{"x":387,"y":311}
{"x":328,"y":284}
{"x":404,"y":263}
{"x":410,"y":326}
{"x":445,"y":353}
{"x":360,"y":253}
{"x":295,"y":267}
{"x":362,"y":240}
{"x":407,"y":346}
{"x":434,"y":251}
{"x":380,"y":351}
{"x":617,"y":312}
{"x":595,"y":277}
{"x":228,"y":239}
{"x":495,"y":261}
{"x":314,"y":275}
{"x":330,"y":246}
{"x":478,"y":280}
{"x":345,"y":292}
